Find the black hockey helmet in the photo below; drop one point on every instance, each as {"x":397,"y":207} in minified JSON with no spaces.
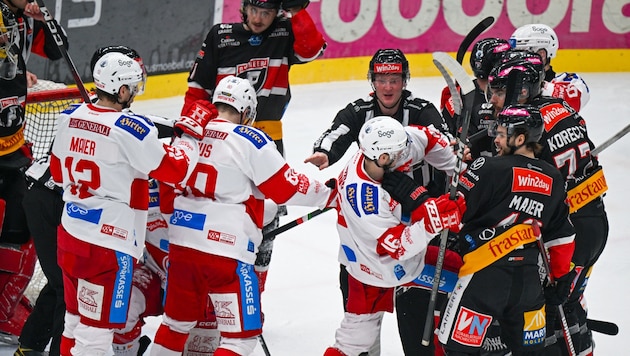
{"x":485,"y":53}
{"x":265,"y":4}
{"x":389,"y":61}
{"x":519,"y":119}
{"x":517,"y":71}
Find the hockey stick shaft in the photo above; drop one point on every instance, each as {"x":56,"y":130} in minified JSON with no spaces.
{"x":563,"y":318}
{"x":443,"y":62}
{"x":294,"y":223}
{"x":471,"y":36}
{"x":54,"y":29}
{"x":611,"y":140}
{"x":263,"y":344}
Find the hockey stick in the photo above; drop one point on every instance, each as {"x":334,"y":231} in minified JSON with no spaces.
{"x":263,"y":344}
{"x":563,"y":319}
{"x":471,"y":36}
{"x":294,"y":223}
{"x":446,"y":64}
{"x":611,"y":140}
{"x":602,"y":327}
{"x":54,"y":29}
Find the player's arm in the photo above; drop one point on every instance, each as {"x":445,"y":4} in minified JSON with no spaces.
{"x":335,"y":141}
{"x":570,"y":87}
{"x":436,"y":147}
{"x":308,"y":42}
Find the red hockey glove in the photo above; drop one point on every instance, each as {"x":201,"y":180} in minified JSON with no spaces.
{"x":452,"y":260}
{"x":195,"y":120}
{"x":441,"y":213}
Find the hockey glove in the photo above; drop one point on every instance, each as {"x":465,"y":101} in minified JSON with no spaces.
{"x":289,"y":4}
{"x":332,"y":199}
{"x":195,"y":120}
{"x":404,"y":190}
{"x":558,"y":292}
{"x":452,"y":260}
{"x":441,"y":213}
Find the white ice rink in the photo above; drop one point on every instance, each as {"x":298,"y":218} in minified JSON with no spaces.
{"x":302,"y":302}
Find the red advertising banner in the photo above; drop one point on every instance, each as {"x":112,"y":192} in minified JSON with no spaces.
{"x":359,"y":27}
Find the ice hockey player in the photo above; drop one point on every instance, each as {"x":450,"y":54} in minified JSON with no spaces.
{"x":542,"y":39}
{"x":216,"y":225}
{"x":103,"y":157}
{"x":378,"y":249}
{"x":500,"y":277}
{"x":388,"y":75}
{"x":566,"y":145}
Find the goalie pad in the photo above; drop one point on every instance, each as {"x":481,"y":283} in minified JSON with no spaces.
{"x":17,"y":264}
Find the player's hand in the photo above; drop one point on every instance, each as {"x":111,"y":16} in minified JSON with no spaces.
{"x":31,"y":79}
{"x":31,"y":9}
{"x":441,"y":213}
{"x":404,"y":190}
{"x":319,"y":159}
{"x":195,"y":120}
{"x":558,"y":293}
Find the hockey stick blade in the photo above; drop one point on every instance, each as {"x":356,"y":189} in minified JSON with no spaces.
{"x":611,"y":140}
{"x":602,"y":327}
{"x":471,"y":36}
{"x":446,"y":64}
{"x":54,"y":29}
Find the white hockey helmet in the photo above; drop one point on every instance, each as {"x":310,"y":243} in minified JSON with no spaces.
{"x":383,"y":134}
{"x":239,"y":94}
{"x":534,"y":37}
{"x":114,"y":70}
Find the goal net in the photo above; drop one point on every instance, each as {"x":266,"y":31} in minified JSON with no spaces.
{"x":44,"y":102}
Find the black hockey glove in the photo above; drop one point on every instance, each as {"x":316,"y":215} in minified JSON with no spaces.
{"x":289,"y":4}
{"x":558,"y":293}
{"x":404,"y":190}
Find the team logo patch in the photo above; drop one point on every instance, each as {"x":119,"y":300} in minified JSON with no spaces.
{"x":156,"y":224}
{"x":90,"y":126}
{"x":552,"y":114}
{"x":188,"y":219}
{"x":252,"y":135}
{"x":530,"y":181}
{"x":90,"y":299}
{"x":470,"y":327}
{"x":351,"y":197}
{"x":399,"y":271}
{"x":534,"y":327}
{"x":90,"y":215}
{"x":8,"y":102}
{"x":369,"y":198}
{"x":134,"y":126}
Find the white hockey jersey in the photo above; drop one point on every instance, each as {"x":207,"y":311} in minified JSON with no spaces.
{"x":102,"y":158}
{"x":570,"y":87}
{"x":221,"y":210}
{"x":366,"y":212}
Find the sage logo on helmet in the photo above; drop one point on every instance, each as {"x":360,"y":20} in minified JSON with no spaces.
{"x":534,"y":37}
{"x":114,"y":70}
{"x":383,"y":134}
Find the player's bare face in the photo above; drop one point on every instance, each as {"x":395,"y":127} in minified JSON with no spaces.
{"x":259,"y":19}
{"x":388,"y":89}
{"x":501,"y":141}
{"x":497,"y":99}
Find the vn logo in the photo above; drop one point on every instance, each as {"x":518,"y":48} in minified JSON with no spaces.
{"x":534,"y":327}
{"x":471,"y":327}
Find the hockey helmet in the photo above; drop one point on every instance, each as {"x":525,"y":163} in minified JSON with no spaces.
{"x":485,"y":53}
{"x":127,"y":51}
{"x":114,"y":70}
{"x":389,"y":61}
{"x":8,"y":37}
{"x":520,"y":119}
{"x":522,"y":71}
{"x":534,"y":37}
{"x":239,"y":94}
{"x":383,"y":134}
